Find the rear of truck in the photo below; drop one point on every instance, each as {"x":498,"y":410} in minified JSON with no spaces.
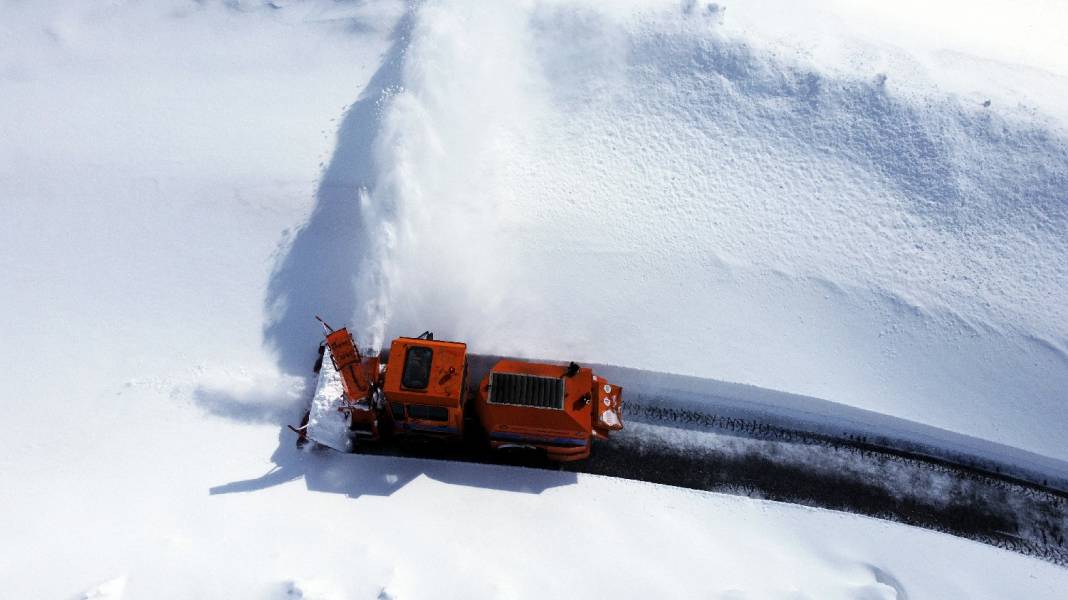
{"x":557,"y":409}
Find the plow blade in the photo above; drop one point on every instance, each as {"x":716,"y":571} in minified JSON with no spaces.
{"x":328,"y":424}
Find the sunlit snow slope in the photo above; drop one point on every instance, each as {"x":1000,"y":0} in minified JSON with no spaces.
{"x":666,"y":187}
{"x":716,"y":192}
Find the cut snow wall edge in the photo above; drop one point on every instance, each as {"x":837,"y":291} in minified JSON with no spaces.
{"x":756,"y":412}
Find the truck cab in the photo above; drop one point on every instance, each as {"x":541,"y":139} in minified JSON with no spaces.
{"x":425,"y":386}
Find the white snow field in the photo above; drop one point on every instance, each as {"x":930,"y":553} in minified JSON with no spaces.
{"x":812,"y":197}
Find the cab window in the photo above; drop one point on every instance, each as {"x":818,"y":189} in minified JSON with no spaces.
{"x":416,"y":375}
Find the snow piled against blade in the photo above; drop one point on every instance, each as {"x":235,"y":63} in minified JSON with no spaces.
{"x":326,"y":424}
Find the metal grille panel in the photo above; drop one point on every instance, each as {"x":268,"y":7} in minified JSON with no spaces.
{"x":527,"y":390}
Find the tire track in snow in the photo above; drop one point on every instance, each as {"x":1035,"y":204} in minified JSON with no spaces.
{"x":763,"y":461}
{"x":817,"y":471}
{"x":670,"y":442}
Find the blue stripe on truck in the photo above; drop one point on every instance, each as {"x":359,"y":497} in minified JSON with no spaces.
{"x":434,"y":428}
{"x":556,"y":441}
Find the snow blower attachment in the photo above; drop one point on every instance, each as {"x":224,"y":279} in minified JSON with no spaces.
{"x":423,"y":391}
{"x":347,"y":397}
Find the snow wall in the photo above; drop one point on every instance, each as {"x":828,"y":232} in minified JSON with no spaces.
{"x":652,"y":188}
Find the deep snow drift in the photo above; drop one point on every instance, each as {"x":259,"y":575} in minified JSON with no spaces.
{"x":664,"y":189}
{"x":663,"y":186}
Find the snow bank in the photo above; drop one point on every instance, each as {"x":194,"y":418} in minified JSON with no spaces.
{"x":653,"y":186}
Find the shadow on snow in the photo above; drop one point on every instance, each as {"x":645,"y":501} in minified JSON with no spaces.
{"x":356,"y":475}
{"x":316,"y":273}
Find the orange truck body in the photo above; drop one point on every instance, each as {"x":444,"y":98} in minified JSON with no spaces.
{"x":426,"y":389}
{"x":550,"y":407}
{"x":423,"y":391}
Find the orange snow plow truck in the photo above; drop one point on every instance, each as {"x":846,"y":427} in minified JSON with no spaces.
{"x":423,"y":390}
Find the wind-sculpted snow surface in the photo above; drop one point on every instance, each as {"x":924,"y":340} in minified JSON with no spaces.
{"x":656,"y":188}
